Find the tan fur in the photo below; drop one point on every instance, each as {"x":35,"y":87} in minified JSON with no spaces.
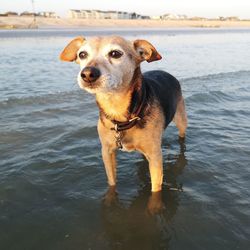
{"x":146,"y":140}
{"x":115,"y":106}
{"x":69,"y":53}
{"x":113,"y":96}
{"x":146,"y":51}
{"x":180,"y":118}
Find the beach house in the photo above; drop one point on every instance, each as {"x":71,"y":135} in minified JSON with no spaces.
{"x":99,"y":14}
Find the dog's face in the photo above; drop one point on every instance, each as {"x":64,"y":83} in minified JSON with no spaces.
{"x":107,"y":64}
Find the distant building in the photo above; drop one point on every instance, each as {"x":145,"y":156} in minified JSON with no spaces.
{"x":173,"y":17}
{"x":156,"y":17}
{"x":28,"y":14}
{"x":221,"y":18}
{"x":183,"y":17}
{"x":232,"y":18}
{"x":74,"y":13}
{"x":143,"y":17}
{"x":99,"y":14}
{"x":10,"y":13}
{"x":47,"y":14}
{"x":119,"y":15}
{"x":133,"y":15}
{"x":168,"y":17}
{"x":197,"y":18}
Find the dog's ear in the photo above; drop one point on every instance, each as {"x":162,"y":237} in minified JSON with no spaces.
{"x":146,"y":51}
{"x":69,"y":52}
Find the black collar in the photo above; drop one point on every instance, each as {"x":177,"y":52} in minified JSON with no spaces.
{"x":136,"y":109}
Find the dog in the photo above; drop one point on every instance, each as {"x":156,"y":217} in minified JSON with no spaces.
{"x":134,"y":108}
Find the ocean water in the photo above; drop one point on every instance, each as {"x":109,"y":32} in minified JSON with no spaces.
{"x":53,"y":190}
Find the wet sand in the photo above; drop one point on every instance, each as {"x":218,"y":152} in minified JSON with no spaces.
{"x":26,"y":22}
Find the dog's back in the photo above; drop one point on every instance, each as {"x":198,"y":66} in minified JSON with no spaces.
{"x":166,"y":89}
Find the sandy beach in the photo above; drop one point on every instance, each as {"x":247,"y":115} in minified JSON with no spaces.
{"x":25,"y":22}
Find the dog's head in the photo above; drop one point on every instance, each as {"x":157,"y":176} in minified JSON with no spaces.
{"x":107,"y":63}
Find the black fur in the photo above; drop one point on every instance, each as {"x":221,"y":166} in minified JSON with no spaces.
{"x":165,"y":88}
{"x":160,"y":88}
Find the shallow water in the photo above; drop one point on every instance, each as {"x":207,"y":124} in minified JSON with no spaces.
{"x":53,"y":191}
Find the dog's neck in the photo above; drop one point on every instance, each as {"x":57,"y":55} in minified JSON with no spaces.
{"x":116,"y":106}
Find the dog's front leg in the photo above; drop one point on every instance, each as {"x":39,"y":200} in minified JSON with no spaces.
{"x":156,"y":171}
{"x":109,"y":159}
{"x":154,"y":157}
{"x":108,"y":152}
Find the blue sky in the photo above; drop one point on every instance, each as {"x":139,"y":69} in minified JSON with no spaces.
{"x":208,"y":8}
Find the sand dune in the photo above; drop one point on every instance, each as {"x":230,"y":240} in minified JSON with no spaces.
{"x":24,"y":22}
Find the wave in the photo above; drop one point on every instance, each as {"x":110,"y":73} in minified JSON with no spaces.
{"x":218,"y":75}
{"x":210,"y":97}
{"x":213,"y":88}
{"x":51,"y":98}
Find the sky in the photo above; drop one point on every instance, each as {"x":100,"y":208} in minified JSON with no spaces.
{"x":205,"y":8}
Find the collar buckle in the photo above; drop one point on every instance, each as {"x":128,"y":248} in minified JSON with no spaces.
{"x":135,"y":118}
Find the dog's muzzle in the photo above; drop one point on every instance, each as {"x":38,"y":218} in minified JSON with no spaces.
{"x":90,"y":74}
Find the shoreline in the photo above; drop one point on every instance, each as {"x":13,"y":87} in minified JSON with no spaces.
{"x":41,"y":23}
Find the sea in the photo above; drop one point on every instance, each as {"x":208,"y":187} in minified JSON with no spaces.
{"x":53,"y":188}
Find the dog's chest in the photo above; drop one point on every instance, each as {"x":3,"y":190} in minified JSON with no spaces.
{"x":127,"y":147}
{"x":131,"y":139}
{"x":127,"y":144}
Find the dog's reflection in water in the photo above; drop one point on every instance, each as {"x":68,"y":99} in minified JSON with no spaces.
{"x":143,"y":224}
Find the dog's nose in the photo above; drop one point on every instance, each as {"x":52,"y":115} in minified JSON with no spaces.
{"x":90,"y":74}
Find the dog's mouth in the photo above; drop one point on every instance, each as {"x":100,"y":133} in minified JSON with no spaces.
{"x":106,"y":83}
{"x":92,"y":85}
{"x":91,"y":88}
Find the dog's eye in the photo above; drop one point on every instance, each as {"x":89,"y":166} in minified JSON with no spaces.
{"x":115,"y":54}
{"x":83,"y":55}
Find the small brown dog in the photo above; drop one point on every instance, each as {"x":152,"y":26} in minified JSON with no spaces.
{"x":135,"y":108}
